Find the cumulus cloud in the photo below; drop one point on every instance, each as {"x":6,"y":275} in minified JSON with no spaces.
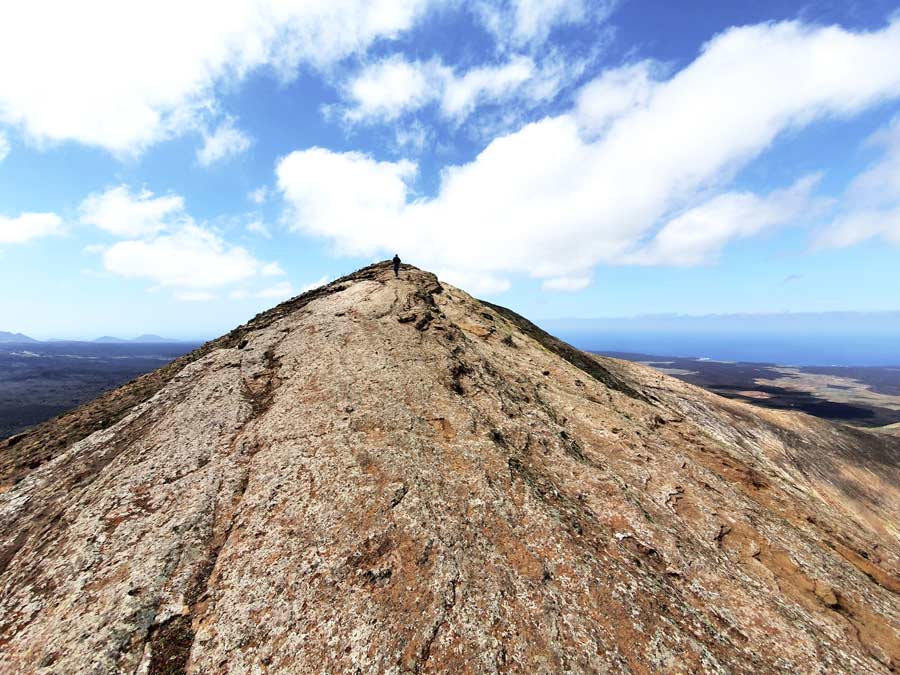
{"x":166,"y":246}
{"x":388,"y":88}
{"x":347,"y":197}
{"x":4,"y":146}
{"x":563,"y":194}
{"x":225,"y":142}
{"x":190,"y":259}
{"x":124,"y":213}
{"x":385,"y":90}
{"x":123,"y":76}
{"x":29,"y":226}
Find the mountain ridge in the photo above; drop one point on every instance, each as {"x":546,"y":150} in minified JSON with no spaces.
{"x":390,"y":476}
{"x":15,"y":338}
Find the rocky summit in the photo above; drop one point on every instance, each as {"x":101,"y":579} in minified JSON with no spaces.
{"x":389,"y":476}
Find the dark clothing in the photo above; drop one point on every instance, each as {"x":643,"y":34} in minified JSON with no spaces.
{"x":396,"y":262}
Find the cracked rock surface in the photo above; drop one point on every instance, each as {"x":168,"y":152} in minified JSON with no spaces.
{"x":389,"y":476}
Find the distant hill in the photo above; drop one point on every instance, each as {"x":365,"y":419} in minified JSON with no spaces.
{"x":109,"y":339}
{"x":6,"y":337}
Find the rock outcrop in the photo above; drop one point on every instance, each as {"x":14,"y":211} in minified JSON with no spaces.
{"x":389,"y":476}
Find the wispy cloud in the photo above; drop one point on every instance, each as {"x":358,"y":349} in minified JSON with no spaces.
{"x":259,"y":195}
{"x":394,"y":86}
{"x":260,"y":228}
{"x":225,"y":142}
{"x":870,"y":207}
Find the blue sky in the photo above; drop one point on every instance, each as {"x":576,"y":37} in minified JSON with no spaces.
{"x":175,"y":169}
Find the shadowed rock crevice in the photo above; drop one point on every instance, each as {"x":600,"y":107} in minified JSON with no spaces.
{"x":170,"y":646}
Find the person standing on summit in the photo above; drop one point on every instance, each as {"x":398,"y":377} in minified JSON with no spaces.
{"x":396,"y":262}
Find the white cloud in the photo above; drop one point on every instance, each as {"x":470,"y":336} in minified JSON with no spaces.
{"x":259,"y":195}
{"x":614,"y":94}
{"x":167,"y":246}
{"x":554,"y":200}
{"x":880,"y":183}
{"x":225,"y":142}
{"x":29,"y":226}
{"x":124,"y":214}
{"x":192,"y":258}
{"x":313,"y":284}
{"x":387,"y":89}
{"x":566,"y":284}
{"x":347,"y":197}
{"x":871,"y":205}
{"x":124,"y":75}
{"x":4,"y":146}
{"x":858,"y":226}
{"x":699,"y":234}
{"x":462,"y":94}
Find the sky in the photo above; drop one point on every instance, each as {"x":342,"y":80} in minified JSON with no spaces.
{"x":175,"y":168}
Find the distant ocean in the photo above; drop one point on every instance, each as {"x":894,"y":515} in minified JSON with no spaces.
{"x":794,"y":349}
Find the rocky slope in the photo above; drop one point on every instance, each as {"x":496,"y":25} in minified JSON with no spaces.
{"x":389,"y":476}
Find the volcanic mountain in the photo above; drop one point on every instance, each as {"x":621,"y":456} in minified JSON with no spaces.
{"x":389,"y":476}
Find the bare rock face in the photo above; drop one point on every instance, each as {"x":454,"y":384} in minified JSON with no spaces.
{"x":389,"y":476}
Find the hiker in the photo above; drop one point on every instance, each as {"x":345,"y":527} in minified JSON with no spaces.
{"x":396,"y":262}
